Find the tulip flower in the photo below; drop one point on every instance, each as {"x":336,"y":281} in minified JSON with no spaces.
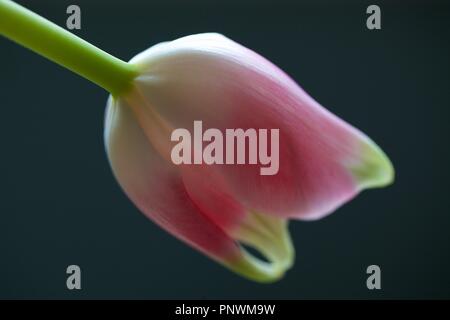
{"x":216,"y":208}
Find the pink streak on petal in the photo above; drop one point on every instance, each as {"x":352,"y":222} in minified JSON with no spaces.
{"x":210,"y":193}
{"x":155,"y":186}
{"x":213,"y":79}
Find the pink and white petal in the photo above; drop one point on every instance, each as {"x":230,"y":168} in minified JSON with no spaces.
{"x":184,"y":203}
{"x":324,"y":161}
{"x":155,"y":186}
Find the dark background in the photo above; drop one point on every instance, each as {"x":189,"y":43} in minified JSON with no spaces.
{"x":60,"y":205}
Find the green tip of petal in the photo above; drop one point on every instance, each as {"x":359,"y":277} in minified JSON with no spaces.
{"x":257,"y":270}
{"x":270,"y":236}
{"x":374,"y":169}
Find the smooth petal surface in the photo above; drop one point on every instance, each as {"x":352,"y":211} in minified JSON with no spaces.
{"x":189,"y":204}
{"x":324,"y":161}
{"x":155,"y":186}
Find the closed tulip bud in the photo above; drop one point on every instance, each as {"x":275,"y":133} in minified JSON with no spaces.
{"x":323,"y":161}
{"x":267,"y":153}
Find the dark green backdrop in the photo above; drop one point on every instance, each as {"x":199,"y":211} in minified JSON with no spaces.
{"x":60,"y":204}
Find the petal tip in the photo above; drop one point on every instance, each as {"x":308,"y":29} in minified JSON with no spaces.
{"x":270,"y":236}
{"x":374,"y":170}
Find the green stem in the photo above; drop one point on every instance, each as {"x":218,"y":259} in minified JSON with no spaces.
{"x":59,"y":45}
